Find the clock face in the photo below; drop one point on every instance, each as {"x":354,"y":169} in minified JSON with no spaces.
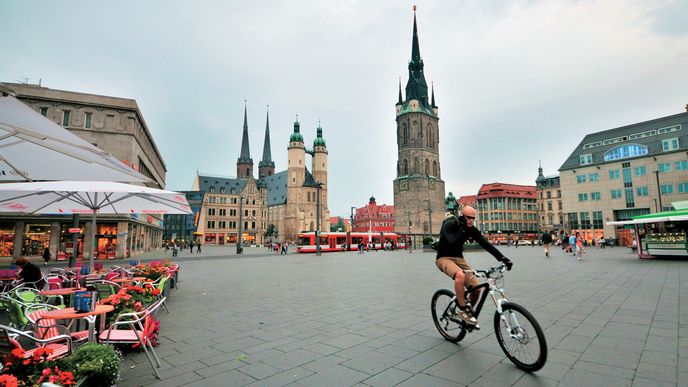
{"x":431,"y":183}
{"x":403,"y":185}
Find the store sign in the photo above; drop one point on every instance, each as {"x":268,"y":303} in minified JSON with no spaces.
{"x":74,"y":230}
{"x":149,"y":219}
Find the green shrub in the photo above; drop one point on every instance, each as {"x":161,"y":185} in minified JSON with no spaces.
{"x":100,"y":363}
{"x":427,"y":241}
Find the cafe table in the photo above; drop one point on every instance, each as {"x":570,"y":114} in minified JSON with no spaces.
{"x":70,"y":313}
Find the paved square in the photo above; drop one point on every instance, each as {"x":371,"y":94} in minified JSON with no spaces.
{"x":349,"y":319}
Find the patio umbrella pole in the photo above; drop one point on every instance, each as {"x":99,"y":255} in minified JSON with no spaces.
{"x":93,"y":234}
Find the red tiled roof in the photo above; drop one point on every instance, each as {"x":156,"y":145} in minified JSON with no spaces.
{"x":467,"y":199}
{"x":494,"y":190}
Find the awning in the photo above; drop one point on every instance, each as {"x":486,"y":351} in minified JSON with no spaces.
{"x":666,"y":216}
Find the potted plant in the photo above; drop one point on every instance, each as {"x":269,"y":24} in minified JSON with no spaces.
{"x":94,"y":364}
{"x":34,"y":370}
{"x":130,"y":299}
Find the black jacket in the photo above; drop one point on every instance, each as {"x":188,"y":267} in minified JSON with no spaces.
{"x":455,"y":233}
{"x":546,"y":238}
{"x":32,"y":273}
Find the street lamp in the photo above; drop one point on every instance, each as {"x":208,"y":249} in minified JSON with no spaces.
{"x":239,"y":249}
{"x":318,"y":186}
{"x":659,"y":191}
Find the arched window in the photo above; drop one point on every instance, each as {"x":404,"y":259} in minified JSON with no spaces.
{"x":405,"y":134}
{"x":309,"y":196}
{"x":434,"y":168}
{"x":625,"y":151}
{"x":416,"y":166}
{"x":405,"y":167}
{"x":428,"y":137}
{"x":248,"y":172}
{"x":420,"y":133}
{"x":427,"y":167}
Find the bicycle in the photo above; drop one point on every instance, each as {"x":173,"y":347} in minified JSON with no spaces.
{"x":518,"y":332}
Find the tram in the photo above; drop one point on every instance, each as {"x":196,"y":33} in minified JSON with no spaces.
{"x":343,"y":241}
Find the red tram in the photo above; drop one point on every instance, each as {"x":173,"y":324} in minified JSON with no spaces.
{"x":343,"y":241}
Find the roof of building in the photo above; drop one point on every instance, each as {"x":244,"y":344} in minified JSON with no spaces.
{"x":647,"y":134}
{"x":494,"y":190}
{"x":467,"y":199}
{"x":266,"y":161}
{"x":245,"y":154}
{"x":221,"y":184}
{"x":277,"y":188}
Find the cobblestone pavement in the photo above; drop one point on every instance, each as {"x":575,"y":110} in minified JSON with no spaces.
{"x":349,"y":319}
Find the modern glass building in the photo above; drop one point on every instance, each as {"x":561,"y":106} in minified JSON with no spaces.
{"x":624,"y":172}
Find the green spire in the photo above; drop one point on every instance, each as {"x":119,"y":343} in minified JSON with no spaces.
{"x":296,"y":136}
{"x":319,"y":140}
{"x":417,"y":87}
{"x":245,"y":155}
{"x":267,"y":154}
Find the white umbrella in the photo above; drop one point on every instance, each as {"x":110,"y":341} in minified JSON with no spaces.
{"x":34,"y":148}
{"x":89,"y":197}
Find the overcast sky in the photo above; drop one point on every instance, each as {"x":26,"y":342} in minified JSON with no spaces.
{"x":515,"y":81}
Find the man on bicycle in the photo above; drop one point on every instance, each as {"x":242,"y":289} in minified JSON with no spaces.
{"x":456,"y":230}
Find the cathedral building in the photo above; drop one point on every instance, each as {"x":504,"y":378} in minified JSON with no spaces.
{"x":418,"y":186}
{"x":274,"y":207}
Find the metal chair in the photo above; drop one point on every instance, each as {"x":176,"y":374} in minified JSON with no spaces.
{"x":46,"y":328}
{"x":135,"y":328}
{"x":60,"y":344}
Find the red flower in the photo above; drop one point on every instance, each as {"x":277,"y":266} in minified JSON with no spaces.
{"x":18,"y":352}
{"x":155,"y":292}
{"x":8,"y":381}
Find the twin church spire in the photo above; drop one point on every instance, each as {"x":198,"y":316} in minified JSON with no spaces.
{"x":266,"y":166}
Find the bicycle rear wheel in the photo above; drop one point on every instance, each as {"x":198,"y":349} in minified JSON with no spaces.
{"x":520,"y":337}
{"x":441,"y":307}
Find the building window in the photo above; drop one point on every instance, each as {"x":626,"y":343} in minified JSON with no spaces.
{"x":559,"y":204}
{"x":44,"y":111}
{"x":681,"y":165}
{"x":253,"y":213}
{"x":223,"y":212}
{"x":582,"y":197}
{"x":234,"y":201}
{"x":597,"y":219}
{"x":549,"y":206}
{"x":625,"y":151}
{"x":253,"y":224}
{"x":595,"y":195}
{"x":405,"y":167}
{"x":88,"y":117}
{"x":211,"y":199}
{"x":211,"y":189}
{"x":682,"y":187}
{"x":594,"y":177}
{"x":65,"y":117}
{"x":670,"y":144}
{"x":616,"y":194}
{"x":211,"y":211}
{"x":630,"y":201}
{"x":549,"y":195}
{"x":245,"y":225}
{"x":585,"y":220}
{"x":642,"y":191}
{"x":586,"y":159}
{"x":664,"y":167}
{"x":211,"y":224}
{"x":580,"y":179}
{"x":667,"y":189}
{"x":233,"y":212}
{"x":223,"y":200}
{"x":573,"y":220}
{"x":614,"y":174}
{"x":640,"y":171}
{"x":434,"y":168}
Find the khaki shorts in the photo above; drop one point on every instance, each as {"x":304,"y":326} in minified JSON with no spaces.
{"x":451,"y":265}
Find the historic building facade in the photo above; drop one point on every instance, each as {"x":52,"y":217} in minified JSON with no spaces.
{"x":507,"y":209}
{"x":549,"y":204}
{"x":274,"y":207}
{"x":624,"y":172}
{"x":418,"y":186}
{"x":374,"y":218}
{"x":115,"y":125}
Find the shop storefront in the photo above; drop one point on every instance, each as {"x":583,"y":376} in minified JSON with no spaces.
{"x":210,"y":238}
{"x":36,"y":239}
{"x":6,"y":239}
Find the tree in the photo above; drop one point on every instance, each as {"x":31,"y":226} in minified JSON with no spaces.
{"x":271,"y":231}
{"x":339,"y":226}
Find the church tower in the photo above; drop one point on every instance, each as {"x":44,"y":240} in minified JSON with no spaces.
{"x":245,"y":162}
{"x":418,"y":187}
{"x":266,"y":167}
{"x":319,"y":168}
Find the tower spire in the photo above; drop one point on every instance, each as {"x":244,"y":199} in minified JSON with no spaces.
{"x":432,"y":103}
{"x":401,"y":100}
{"x":417,"y":87}
{"x":245,"y":163}
{"x":266,"y":166}
{"x":540,"y":177}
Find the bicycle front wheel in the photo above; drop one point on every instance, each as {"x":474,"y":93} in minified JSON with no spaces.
{"x":442,"y":308}
{"x":520,"y":337}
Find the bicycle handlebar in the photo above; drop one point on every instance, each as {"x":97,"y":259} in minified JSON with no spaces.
{"x":487,"y":273}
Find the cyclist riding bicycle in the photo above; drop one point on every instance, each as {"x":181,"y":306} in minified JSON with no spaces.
{"x":456,"y":230}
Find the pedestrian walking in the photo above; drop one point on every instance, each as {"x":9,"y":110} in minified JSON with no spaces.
{"x":579,"y":246}
{"x":198,"y":247}
{"x":46,"y":255}
{"x":547,"y":242}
